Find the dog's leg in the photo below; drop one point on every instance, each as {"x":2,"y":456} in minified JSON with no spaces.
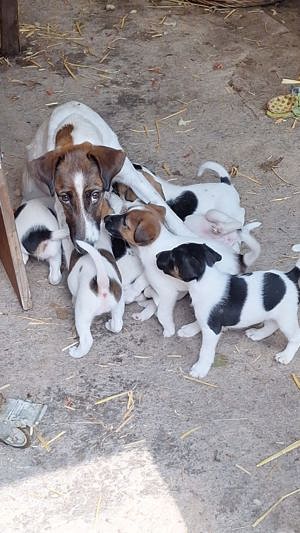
{"x":257,"y":334}
{"x":165,"y":308}
{"x":207,"y":353}
{"x":25,"y":257}
{"x":134,"y":289}
{"x":148,"y":312}
{"x":115,"y":324}
{"x":83,"y":320}
{"x":54,"y":269}
{"x":189,"y":330}
{"x":290,"y":328}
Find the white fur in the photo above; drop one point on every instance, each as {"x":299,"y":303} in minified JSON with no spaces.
{"x":209,"y":291}
{"x":87,"y":304}
{"x":34,"y":215}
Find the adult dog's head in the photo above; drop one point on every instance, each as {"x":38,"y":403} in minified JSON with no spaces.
{"x":187,"y":261}
{"x":139,"y":226}
{"x":79,"y":175}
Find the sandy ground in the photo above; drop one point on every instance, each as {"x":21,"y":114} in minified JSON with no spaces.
{"x":140,"y":63}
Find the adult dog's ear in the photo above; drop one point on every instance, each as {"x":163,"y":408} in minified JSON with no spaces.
{"x":43,"y":168}
{"x":109,"y":162}
{"x":210,"y":255}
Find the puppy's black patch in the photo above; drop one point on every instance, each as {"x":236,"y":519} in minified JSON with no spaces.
{"x":225,"y":180}
{"x":184,"y":205}
{"x":34,"y":238}
{"x":137,"y":166}
{"x":94,"y":285}
{"x":248,"y":274}
{"x":274,"y":290}
{"x":228,"y":311}
{"x":119,"y":247}
{"x":19,"y":210}
{"x":52,"y":211}
{"x":294,"y":276}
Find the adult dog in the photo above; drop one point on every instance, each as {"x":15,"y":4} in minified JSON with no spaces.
{"x":75,"y":156}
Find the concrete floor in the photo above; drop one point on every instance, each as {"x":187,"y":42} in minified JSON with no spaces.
{"x":142,"y":476}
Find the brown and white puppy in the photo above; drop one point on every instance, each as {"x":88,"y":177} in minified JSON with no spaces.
{"x":143,"y":228}
{"x":76,"y":156}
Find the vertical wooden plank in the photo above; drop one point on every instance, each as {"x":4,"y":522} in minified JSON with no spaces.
{"x":10,"y":252}
{"x":9,"y":20}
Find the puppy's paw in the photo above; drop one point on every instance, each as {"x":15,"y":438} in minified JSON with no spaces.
{"x":54,"y":280}
{"x":253,"y":334}
{"x":113,"y":327}
{"x":77,"y":352}
{"x":189,"y":330}
{"x":283,"y":357}
{"x":169,"y":332}
{"x":198,"y":371}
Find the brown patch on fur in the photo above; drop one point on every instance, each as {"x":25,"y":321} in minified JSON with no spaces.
{"x":155,"y":184}
{"x":115,"y":289}
{"x":125,"y":192}
{"x":63,"y":137}
{"x":41,"y":248}
{"x":74,"y":258}
{"x":143,"y":226}
{"x":110,"y":258}
{"x":104,"y":209}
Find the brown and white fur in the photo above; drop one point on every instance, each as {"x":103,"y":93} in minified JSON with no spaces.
{"x":40,"y":237}
{"x":76,"y":156}
{"x":95,"y":283}
{"x":143,"y":228}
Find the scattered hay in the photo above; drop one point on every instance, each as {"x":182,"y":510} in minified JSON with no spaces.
{"x":189,"y":432}
{"x":288,"y":449}
{"x":281,"y":499}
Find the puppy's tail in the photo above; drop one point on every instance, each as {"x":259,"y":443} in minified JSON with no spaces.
{"x":217,"y":169}
{"x":101,"y":274}
{"x":296,"y":248}
{"x":254,"y":247}
{"x":59,"y":234}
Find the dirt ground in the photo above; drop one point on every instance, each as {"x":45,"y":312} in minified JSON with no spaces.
{"x":131,"y":472}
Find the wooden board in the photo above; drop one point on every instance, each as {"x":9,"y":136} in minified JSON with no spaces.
{"x":10,"y":251}
{"x":9,"y":27}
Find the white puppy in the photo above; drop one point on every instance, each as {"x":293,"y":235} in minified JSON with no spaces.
{"x":40,"y":237}
{"x":221,"y":300}
{"x":96,"y":285}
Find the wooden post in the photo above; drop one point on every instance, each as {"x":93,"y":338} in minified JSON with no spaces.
{"x":9,"y":29}
{"x":10,"y":251}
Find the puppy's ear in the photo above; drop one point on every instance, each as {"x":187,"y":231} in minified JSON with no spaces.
{"x":144,"y":233}
{"x":159,"y":209}
{"x":211,"y":257}
{"x":43,"y":168}
{"x":109,"y":162}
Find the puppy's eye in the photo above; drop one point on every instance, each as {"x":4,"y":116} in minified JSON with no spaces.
{"x":95,"y":195}
{"x":64,"y":198}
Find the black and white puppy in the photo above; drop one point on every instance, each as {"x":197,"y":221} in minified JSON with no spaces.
{"x":235,"y":301}
{"x":39,"y":236}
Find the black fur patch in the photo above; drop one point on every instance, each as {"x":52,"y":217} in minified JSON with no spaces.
{"x":94,"y":285}
{"x":184,"y":205}
{"x":53,"y":212}
{"x":137,"y":166}
{"x":226,"y":180}
{"x":228,"y":311}
{"x":119,"y":247}
{"x":19,"y":210}
{"x":294,"y":276}
{"x":34,"y":238}
{"x":274,"y":290}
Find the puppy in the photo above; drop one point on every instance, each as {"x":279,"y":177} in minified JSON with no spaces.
{"x":74,"y":157}
{"x":39,"y":236}
{"x":223,"y":300}
{"x":143,"y":228}
{"x":96,"y":286}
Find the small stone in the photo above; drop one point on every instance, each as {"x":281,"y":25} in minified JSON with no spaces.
{"x":133,"y":12}
{"x":110,"y":7}
{"x":256,"y":502}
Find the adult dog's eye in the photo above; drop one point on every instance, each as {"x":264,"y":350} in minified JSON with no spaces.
{"x":95,"y":195}
{"x":64,"y":198}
